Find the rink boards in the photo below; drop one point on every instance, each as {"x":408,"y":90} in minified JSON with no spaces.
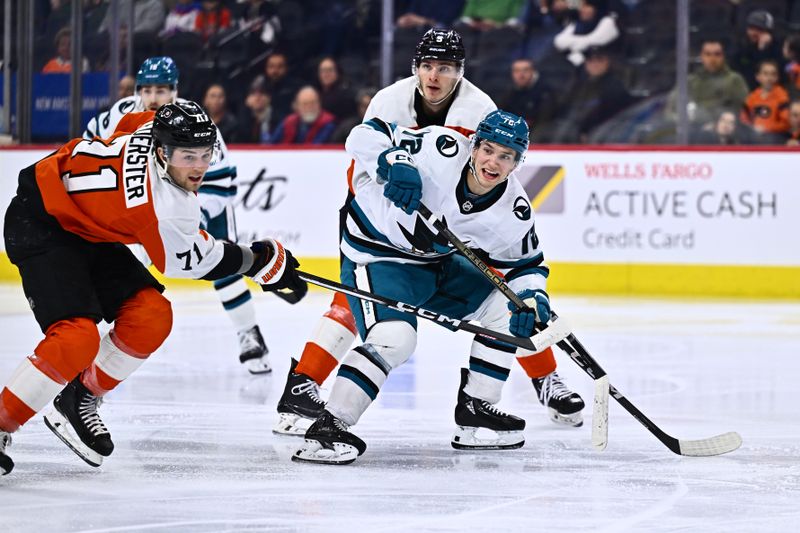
{"x":619,"y":221}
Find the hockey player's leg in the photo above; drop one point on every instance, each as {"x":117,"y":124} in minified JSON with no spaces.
{"x":329,"y":343}
{"x":234,"y":294}
{"x":68,"y":346}
{"x":563,"y":405}
{"x":360,"y":378}
{"x":479,"y":424}
{"x":143,"y":323}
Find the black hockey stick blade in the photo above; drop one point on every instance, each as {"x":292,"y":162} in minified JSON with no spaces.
{"x":727,"y":442}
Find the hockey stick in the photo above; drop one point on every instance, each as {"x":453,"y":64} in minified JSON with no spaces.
{"x":557,"y":330}
{"x":717,"y":445}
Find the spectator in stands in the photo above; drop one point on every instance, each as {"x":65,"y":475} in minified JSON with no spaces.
{"x":482,"y":15}
{"x":281,"y":87}
{"x":725,"y":130}
{"x":791,"y":53}
{"x":212,"y":18}
{"x":343,"y":127}
{"x":766,"y":109}
{"x":256,"y":117}
{"x":260,"y":19}
{"x":595,"y":26}
{"x":594,"y":97}
{"x":336,"y":95}
{"x":148,"y":16}
{"x":758,"y":44}
{"x":712,"y":88}
{"x":543,"y":20}
{"x":181,"y":18}
{"x":62,"y":62}
{"x":126,"y":86}
{"x":427,"y":14}
{"x":215,"y":104}
{"x":794,"y":124}
{"x":309,"y":124}
{"x":529,"y":97}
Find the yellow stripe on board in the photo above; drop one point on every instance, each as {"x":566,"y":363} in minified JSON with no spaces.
{"x":759,"y":282}
{"x":548,"y":188}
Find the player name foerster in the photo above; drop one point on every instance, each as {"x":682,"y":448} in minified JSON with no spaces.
{"x":135,"y":167}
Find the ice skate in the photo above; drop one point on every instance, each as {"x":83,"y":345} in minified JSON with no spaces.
{"x":253,"y":351}
{"x":329,"y":441}
{"x":75,"y":421}
{"x":6,"y":464}
{"x":473,"y":414}
{"x":299,"y":403}
{"x":563,"y":405}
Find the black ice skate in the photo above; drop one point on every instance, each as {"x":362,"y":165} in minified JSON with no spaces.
{"x":563,"y":405}
{"x":253,"y":351}
{"x":329,"y":441}
{"x":473,"y":414}
{"x":300,"y":401}
{"x":75,"y":421}
{"x":6,"y":464}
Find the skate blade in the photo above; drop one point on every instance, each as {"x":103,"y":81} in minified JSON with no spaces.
{"x":466,"y":438}
{"x":290,"y":424}
{"x":314,"y":452}
{"x":60,"y":426}
{"x":257,"y":367}
{"x":574,"y":420}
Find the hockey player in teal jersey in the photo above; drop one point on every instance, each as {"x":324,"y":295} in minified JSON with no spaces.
{"x":390,"y":250}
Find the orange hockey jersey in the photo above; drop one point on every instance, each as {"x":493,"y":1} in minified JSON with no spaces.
{"x":767,"y":112}
{"x":109,"y":191}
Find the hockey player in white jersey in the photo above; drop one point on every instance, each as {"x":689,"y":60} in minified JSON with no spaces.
{"x":391,"y":250}
{"x":157,"y":84}
{"x":435,"y":94}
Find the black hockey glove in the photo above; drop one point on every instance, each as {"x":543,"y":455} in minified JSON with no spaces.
{"x":274,"y":269}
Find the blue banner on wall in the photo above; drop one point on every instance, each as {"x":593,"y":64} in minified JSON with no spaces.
{"x":50,"y":103}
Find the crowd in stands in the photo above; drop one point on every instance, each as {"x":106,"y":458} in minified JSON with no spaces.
{"x":579,"y":71}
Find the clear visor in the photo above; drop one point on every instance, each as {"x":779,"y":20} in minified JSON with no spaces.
{"x":151,"y":97}
{"x":442,"y":69}
{"x":197,"y":157}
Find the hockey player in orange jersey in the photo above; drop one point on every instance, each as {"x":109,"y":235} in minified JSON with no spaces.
{"x":66,"y":231}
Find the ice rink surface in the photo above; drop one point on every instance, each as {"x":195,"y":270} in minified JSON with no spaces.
{"x":195,"y":452}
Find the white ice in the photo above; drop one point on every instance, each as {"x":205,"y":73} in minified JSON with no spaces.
{"x":195,"y":453}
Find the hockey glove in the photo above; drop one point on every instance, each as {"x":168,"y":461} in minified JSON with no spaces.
{"x":402,"y":182}
{"x":536,"y":310}
{"x":274,"y":269}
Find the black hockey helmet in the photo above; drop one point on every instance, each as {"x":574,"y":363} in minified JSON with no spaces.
{"x":183,"y":124}
{"x":442,"y":45}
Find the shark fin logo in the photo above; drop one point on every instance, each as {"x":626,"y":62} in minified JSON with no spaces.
{"x":424,"y":239}
{"x":522,"y":208}
{"x":447,"y":145}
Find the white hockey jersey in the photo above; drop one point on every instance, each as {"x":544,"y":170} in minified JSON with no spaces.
{"x":218,"y":189}
{"x":498,"y":226}
{"x":110,"y":191}
{"x":395,"y":103}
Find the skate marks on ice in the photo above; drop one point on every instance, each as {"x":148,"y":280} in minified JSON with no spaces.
{"x":195,"y":451}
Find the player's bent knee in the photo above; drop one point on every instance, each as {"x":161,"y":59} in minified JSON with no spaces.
{"x":144,"y":321}
{"x":69,"y":346}
{"x":395,"y":340}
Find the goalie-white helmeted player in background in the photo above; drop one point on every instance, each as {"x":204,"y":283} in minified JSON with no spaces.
{"x":156,"y":85}
{"x":391,"y":250}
